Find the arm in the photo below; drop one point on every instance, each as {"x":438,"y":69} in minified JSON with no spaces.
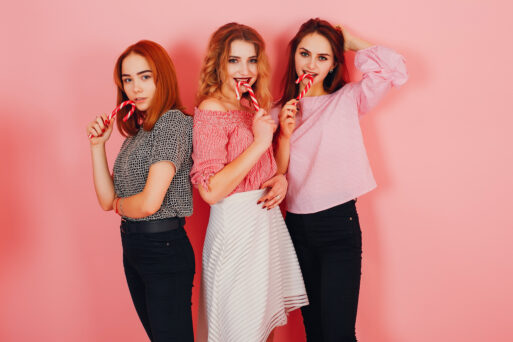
{"x":287,"y":118}
{"x":103,"y":184}
{"x":382,"y":69}
{"x":148,"y":201}
{"x":353,"y":43}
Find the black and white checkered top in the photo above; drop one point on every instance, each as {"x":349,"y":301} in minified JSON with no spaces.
{"x":171,"y":140}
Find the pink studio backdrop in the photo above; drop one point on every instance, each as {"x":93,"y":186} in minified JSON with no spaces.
{"x":437,"y":231}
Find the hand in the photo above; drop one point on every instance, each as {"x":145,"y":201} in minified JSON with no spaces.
{"x":100,"y":130}
{"x":288,"y":118}
{"x":278,"y":189}
{"x":263,"y":128}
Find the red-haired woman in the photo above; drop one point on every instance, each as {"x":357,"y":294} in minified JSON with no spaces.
{"x":151,"y":190}
{"x":328,"y":167}
{"x":251,"y":277}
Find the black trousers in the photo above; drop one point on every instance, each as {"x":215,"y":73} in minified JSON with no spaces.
{"x":329,"y":249}
{"x":159,"y":269}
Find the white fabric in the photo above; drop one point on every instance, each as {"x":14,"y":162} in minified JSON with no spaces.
{"x":251,"y":276}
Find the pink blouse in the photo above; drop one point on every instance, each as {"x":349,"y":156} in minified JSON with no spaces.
{"x":328,"y":162}
{"x":220,"y":137}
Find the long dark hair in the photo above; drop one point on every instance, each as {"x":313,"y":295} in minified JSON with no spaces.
{"x":334,"y":80}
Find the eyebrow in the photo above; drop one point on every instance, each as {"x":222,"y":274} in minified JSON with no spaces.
{"x":237,"y":57}
{"x":320,"y":54}
{"x":139,"y":73}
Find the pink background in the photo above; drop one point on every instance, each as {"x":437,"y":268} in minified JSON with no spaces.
{"x":437,"y":231}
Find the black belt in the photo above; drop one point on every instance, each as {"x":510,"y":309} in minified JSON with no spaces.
{"x":153,"y":226}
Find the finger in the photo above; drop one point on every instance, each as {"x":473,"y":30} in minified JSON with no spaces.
{"x":268,"y":196}
{"x":259,"y":113}
{"x":98,"y":130}
{"x":273,"y":202}
{"x":100,"y":123}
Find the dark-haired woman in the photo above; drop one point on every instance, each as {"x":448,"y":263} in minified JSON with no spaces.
{"x":150,"y":190}
{"x":321,"y":149}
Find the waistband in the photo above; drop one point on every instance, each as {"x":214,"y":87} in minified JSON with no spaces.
{"x":153,"y":226}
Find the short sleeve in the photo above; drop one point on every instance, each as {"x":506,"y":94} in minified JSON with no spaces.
{"x":209,"y":140}
{"x":382,"y":69}
{"x":172,"y":138}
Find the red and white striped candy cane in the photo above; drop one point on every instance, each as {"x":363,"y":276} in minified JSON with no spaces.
{"x":250,"y":91}
{"x":307,"y":87}
{"x":116,"y":110}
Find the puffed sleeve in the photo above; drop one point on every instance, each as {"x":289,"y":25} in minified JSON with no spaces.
{"x":172,"y":138}
{"x":209,"y":140}
{"x":382,"y":69}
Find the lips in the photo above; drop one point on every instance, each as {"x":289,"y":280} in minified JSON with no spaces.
{"x":243,"y":79}
{"x":139,"y":99}
{"x":309,"y":72}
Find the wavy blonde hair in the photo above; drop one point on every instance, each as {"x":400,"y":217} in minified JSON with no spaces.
{"x":214,"y":65}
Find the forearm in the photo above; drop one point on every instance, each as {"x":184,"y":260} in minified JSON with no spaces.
{"x":226,"y":180}
{"x":136,"y":206}
{"x":282,"y":154}
{"x":356,"y":44}
{"x":103,"y":184}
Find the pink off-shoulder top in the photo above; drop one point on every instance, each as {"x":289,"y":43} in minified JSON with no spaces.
{"x":220,"y":137}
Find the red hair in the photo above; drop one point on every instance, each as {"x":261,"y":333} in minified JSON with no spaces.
{"x":334,"y":80}
{"x":216,"y":59}
{"x":166,"y":95}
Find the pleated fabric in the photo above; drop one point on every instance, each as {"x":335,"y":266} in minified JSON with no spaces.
{"x":251,"y":276}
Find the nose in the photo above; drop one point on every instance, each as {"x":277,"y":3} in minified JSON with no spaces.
{"x":311,"y":64}
{"x":137,"y":86}
{"x":244,"y":68}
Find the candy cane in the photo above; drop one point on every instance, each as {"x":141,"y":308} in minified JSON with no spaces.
{"x":307,"y":87}
{"x":116,"y":110}
{"x":250,"y":91}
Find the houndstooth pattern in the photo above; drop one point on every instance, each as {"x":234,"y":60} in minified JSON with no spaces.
{"x":170,"y":139}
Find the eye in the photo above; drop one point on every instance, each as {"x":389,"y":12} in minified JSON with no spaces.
{"x":127,"y":80}
{"x":146,"y":77}
{"x":253,"y":60}
{"x":323,"y":58}
{"x":232,"y":60}
{"x":304,"y":54}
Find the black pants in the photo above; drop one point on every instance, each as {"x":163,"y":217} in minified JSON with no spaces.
{"x":329,"y":249}
{"x":159,"y":269}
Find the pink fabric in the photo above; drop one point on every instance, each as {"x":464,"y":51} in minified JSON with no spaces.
{"x":219,"y":138}
{"x":328,"y":162}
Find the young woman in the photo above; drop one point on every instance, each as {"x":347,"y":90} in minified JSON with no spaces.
{"x":328,"y":167}
{"x":251,"y":277}
{"x":150,"y":189}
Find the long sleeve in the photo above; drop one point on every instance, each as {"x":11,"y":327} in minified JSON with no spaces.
{"x":209,"y":140}
{"x":382,"y":69}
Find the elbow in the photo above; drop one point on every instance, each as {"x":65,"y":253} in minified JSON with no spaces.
{"x":149,"y":209}
{"x":106,"y":206}
{"x":209,"y":196}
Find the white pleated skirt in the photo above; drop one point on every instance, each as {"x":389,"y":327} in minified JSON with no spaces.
{"x":251,"y":276}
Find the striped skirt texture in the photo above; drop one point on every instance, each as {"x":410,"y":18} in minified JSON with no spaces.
{"x":251,"y":276}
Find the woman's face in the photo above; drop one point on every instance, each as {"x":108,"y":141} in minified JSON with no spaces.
{"x":138,"y":81}
{"x":242,"y":65}
{"x":315,"y":57}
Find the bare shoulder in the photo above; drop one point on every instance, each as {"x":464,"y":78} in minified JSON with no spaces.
{"x":214,"y":104}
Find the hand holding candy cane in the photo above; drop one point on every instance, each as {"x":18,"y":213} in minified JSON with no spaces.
{"x":307,"y":87}
{"x":103,"y":123}
{"x":250,"y":91}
